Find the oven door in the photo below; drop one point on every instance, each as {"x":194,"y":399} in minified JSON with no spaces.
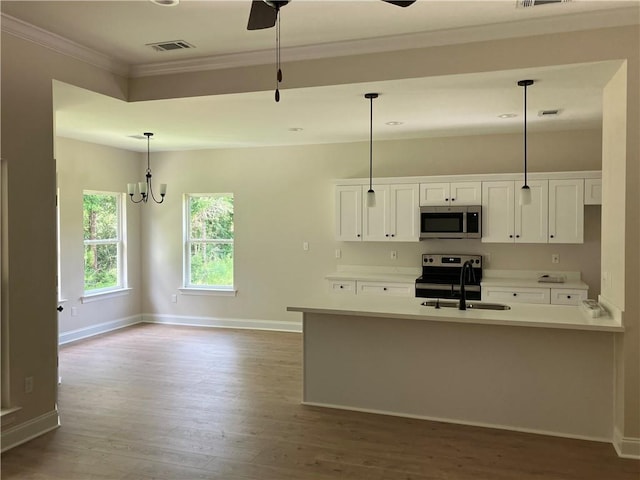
{"x":447,"y":291}
{"x":443,"y":222}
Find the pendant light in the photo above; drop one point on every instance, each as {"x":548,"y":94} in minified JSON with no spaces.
{"x":525,"y":191}
{"x":371,"y":195}
{"x":145,"y":188}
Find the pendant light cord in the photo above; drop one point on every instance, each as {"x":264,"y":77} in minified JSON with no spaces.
{"x":525,"y":134}
{"x":278,"y":70}
{"x":371,"y":143}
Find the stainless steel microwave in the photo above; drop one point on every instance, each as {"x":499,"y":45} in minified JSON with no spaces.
{"x":451,"y":222}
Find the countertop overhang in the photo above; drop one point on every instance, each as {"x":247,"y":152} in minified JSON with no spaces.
{"x":520,"y":315}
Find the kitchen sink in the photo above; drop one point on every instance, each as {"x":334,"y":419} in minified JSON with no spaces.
{"x":470,"y":305}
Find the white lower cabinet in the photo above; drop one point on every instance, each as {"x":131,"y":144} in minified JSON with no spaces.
{"x":516,"y":295}
{"x":567,"y":296}
{"x":540,"y":295}
{"x":343,"y":287}
{"x":388,"y":289}
{"x":367,"y":287}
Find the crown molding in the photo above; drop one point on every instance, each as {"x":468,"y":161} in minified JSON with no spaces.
{"x":624,"y":16}
{"x":59,"y":44}
{"x":565,"y":23}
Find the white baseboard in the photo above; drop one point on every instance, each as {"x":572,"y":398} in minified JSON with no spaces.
{"x":253,"y":324}
{"x":79,"y":334}
{"x":462,"y":422}
{"x":627,"y":447}
{"x":29,"y":430}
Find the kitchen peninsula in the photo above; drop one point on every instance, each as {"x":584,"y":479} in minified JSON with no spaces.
{"x":538,"y":368}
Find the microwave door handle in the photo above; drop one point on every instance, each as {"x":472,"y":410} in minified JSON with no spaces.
{"x":464,"y":222}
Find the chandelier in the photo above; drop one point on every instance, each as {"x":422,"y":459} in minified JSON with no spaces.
{"x":145,"y":189}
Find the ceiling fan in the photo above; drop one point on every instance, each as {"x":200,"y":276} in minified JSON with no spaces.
{"x":264,"y":13}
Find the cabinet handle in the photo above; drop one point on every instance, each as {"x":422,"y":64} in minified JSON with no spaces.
{"x":515,"y":294}
{"x":517,"y":236}
{"x":387,"y":235}
{"x":446,"y":199}
{"x":551,"y":236}
{"x":358,"y":235}
{"x":453,"y":199}
{"x":510,"y":236}
{"x":568,"y":296}
{"x":393,"y":234}
{"x":384,"y":288}
{"x":341,"y":286}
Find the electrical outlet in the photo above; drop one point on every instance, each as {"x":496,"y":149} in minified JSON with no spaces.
{"x":74,"y":311}
{"x":305,"y":246}
{"x":338,"y":253}
{"x":394,"y":255}
{"x":28,"y":384}
{"x":174,"y":298}
{"x":555,"y":258}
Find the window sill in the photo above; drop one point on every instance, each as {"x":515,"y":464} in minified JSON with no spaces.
{"x":95,"y":297}
{"x":219,"y":292}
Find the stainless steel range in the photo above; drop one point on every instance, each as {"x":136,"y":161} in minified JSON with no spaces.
{"x":441,"y":277}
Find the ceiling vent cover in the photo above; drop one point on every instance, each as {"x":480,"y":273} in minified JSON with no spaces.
{"x":170,"y":45}
{"x":537,"y":3}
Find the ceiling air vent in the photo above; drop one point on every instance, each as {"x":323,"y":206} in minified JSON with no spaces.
{"x":549,"y":113}
{"x":171,"y":45}
{"x":537,"y":3}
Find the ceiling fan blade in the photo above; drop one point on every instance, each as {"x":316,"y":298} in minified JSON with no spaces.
{"x":400,"y":3}
{"x":261,"y":16}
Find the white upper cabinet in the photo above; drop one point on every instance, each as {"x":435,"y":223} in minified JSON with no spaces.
{"x":497,"y":211}
{"x":566,"y":211}
{"x":504,"y":220}
{"x":395,"y":216}
{"x":348,"y":210}
{"x":593,"y":191}
{"x":404,"y":218}
{"x":450,"y":194}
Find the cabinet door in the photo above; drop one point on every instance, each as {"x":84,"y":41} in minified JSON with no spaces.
{"x":404,"y":214}
{"x":497,"y":212}
{"x":466,"y":193}
{"x":567,"y":296}
{"x":434,"y":194}
{"x":388,"y":289}
{"x":566,"y":211}
{"x":375,"y":220}
{"x":531,"y":221}
{"x":516,"y":295}
{"x":349,"y":213}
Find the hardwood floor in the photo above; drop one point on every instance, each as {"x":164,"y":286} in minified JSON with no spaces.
{"x":186,"y":403}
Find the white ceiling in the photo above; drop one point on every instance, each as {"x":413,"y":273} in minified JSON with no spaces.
{"x":462,"y":104}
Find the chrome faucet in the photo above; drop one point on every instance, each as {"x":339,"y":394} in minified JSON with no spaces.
{"x":468,"y":265}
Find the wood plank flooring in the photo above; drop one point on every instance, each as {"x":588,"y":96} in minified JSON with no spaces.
{"x":186,"y":403}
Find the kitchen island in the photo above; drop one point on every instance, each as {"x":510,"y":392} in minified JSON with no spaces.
{"x":538,"y":368}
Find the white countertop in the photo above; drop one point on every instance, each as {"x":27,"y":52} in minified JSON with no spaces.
{"x":529,"y":283}
{"x":520,"y":315}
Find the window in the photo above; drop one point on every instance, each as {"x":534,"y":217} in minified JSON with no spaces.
{"x":209,"y":241}
{"x":103,"y":242}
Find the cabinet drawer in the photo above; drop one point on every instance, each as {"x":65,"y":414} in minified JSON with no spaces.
{"x":567,"y":296}
{"x":383,"y":288}
{"x":515,"y":295}
{"x":344,"y":287}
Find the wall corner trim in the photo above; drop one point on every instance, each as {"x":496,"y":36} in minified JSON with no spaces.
{"x":626,"y":447}
{"x":29,"y":430}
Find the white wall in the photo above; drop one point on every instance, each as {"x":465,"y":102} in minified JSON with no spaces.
{"x":284,"y":196}
{"x":86,"y":166}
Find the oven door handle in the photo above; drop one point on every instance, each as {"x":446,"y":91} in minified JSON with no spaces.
{"x":449,"y":287}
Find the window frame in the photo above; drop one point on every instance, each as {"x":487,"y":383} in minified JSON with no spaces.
{"x":189,"y":288}
{"x":121,"y":249}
